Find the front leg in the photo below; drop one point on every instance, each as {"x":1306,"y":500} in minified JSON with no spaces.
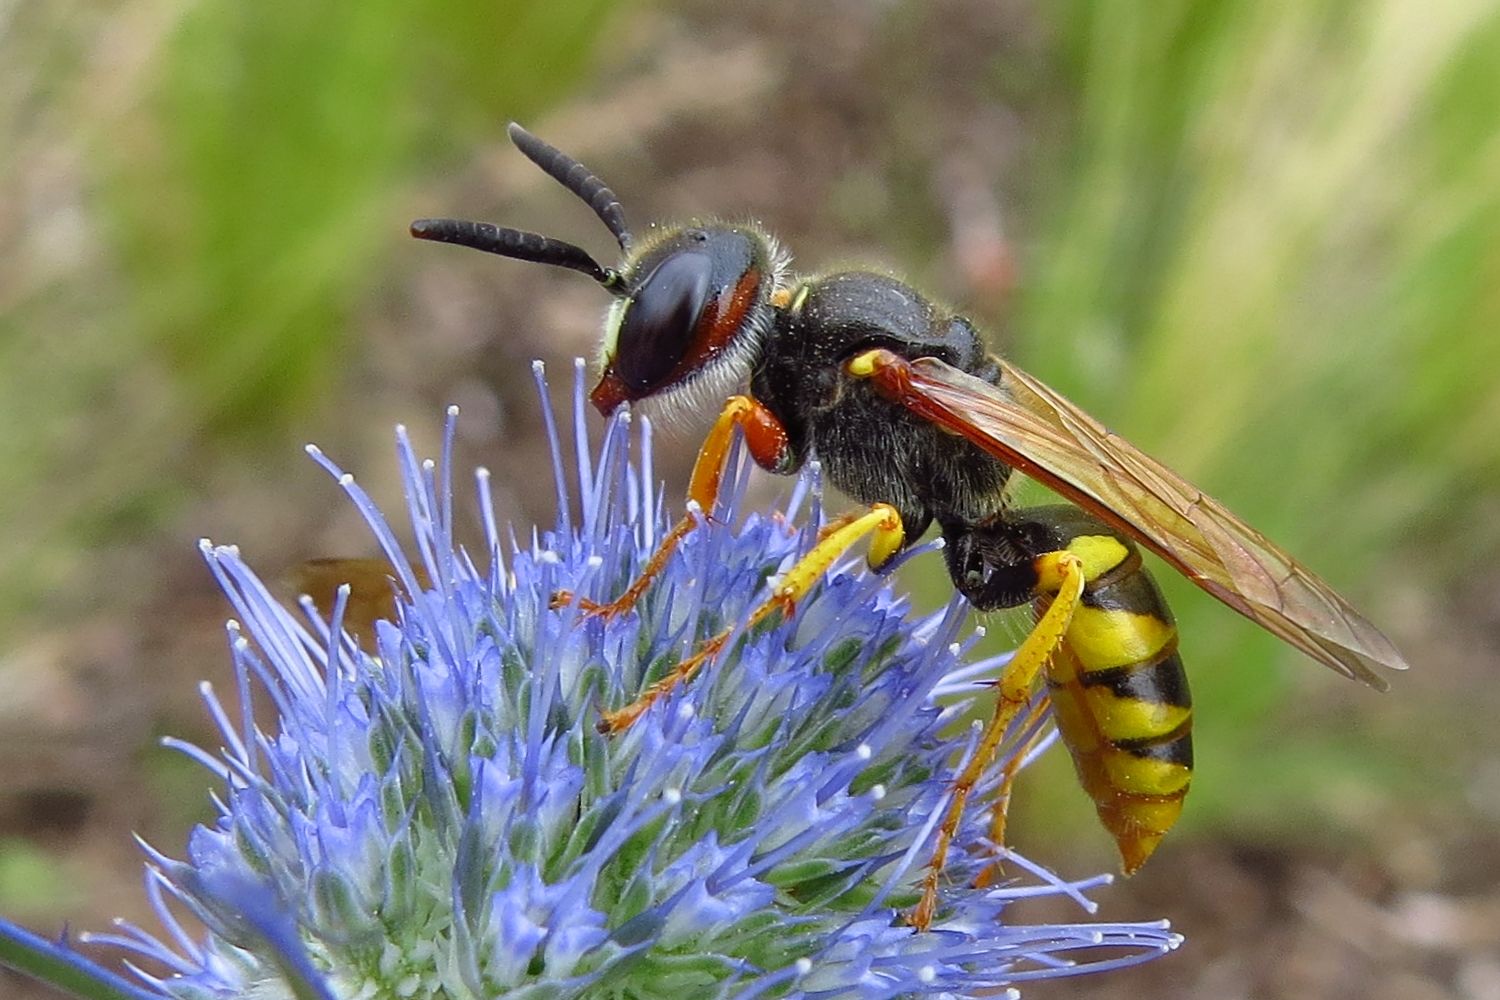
{"x":881,"y":525}
{"x":766,"y":439}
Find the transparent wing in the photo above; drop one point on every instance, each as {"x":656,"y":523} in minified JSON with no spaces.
{"x":1030,"y":427}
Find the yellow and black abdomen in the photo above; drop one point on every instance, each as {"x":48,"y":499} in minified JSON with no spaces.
{"x":1119,"y":693}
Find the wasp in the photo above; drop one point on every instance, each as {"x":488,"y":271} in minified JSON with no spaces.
{"x":910,"y":414}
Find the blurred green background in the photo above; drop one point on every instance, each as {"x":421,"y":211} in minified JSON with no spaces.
{"x":1260,"y":240}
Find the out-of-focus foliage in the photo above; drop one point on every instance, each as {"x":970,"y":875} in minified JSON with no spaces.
{"x":1275,"y":258}
{"x":1320,"y":187}
{"x":193,"y":197}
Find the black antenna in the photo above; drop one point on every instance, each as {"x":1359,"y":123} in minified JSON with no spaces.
{"x":516,"y":243}
{"x":576,"y":178}
{"x":534,"y":247}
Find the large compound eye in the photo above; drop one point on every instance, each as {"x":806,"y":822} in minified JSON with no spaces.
{"x":694,"y":305}
{"x":661,"y":319}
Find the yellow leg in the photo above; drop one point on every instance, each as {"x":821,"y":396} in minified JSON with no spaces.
{"x":880,"y":522}
{"x":1016,"y":682}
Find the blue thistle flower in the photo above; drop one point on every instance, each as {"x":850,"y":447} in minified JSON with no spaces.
{"x":442,"y":818}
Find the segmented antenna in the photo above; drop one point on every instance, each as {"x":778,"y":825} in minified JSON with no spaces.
{"x":576,"y":178}
{"x":534,"y":247}
{"x":515,"y":243}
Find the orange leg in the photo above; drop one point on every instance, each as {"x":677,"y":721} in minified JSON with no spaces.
{"x":766,"y":439}
{"x":1015,"y":684}
{"x":1001,"y":809}
{"x":880,"y":522}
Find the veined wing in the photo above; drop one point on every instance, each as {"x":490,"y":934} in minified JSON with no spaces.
{"x":1029,"y":426}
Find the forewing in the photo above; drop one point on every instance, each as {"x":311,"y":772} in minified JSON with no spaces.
{"x":1029,"y":426}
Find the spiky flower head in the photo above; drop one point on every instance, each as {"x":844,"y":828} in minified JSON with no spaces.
{"x":442,"y":818}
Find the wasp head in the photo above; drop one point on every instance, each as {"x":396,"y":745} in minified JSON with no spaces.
{"x":693,"y":305}
{"x":692,"y":319}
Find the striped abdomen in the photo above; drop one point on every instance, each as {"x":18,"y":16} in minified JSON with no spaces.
{"x":1120,"y":696}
